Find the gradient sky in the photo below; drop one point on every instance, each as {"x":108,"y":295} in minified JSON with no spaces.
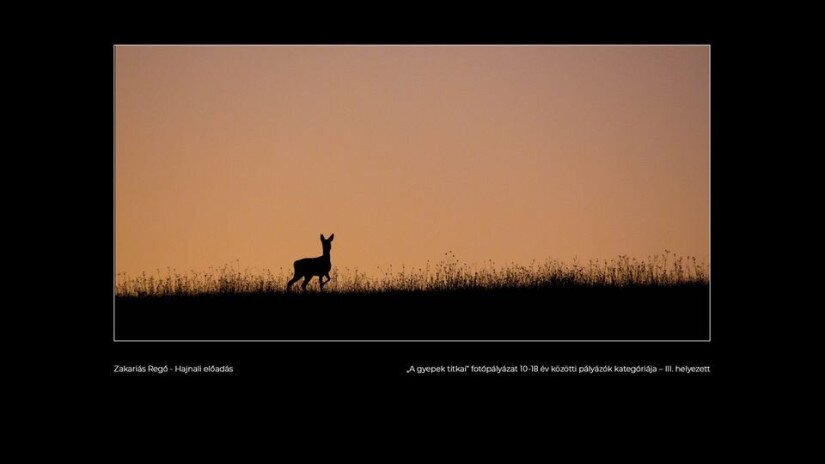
{"x":496,"y":153}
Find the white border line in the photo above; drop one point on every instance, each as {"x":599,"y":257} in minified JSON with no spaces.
{"x":411,"y":45}
{"x":114,"y":188}
{"x":114,"y":195}
{"x":410,"y":341}
{"x":710,"y":207}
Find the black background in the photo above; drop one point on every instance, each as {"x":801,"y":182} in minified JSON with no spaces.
{"x":344,"y":363}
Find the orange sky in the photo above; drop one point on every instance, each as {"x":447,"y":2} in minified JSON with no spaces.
{"x":504,"y":153}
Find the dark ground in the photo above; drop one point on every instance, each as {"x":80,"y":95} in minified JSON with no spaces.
{"x":641,"y":313}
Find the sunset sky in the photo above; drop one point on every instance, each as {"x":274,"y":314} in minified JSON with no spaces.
{"x":502,"y":153}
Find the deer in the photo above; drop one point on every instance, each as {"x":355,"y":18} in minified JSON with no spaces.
{"x":307,"y":268}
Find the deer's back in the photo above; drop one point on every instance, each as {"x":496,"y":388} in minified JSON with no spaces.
{"x":312,"y":265}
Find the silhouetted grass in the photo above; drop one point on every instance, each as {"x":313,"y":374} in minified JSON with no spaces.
{"x":449,"y":274}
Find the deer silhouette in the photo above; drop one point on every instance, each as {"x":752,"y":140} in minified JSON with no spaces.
{"x":308,"y":268}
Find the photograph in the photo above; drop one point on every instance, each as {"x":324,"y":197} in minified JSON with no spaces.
{"x":380,"y":194}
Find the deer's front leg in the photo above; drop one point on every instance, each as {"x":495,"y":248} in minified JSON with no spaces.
{"x":323,"y":282}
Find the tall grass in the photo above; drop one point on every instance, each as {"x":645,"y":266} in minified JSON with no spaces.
{"x":449,"y":274}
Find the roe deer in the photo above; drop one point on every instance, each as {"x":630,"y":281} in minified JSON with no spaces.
{"x":311,"y":267}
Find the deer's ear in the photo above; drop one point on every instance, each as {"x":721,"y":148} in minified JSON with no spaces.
{"x":322,"y":237}
{"x":331,"y":237}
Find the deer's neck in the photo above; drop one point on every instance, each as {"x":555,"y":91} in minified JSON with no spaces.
{"x":326,"y":255}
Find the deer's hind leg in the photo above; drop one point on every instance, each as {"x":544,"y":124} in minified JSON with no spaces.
{"x":306,"y":281}
{"x":294,"y":279}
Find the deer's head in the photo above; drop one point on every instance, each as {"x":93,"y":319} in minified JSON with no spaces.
{"x":327,"y":242}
